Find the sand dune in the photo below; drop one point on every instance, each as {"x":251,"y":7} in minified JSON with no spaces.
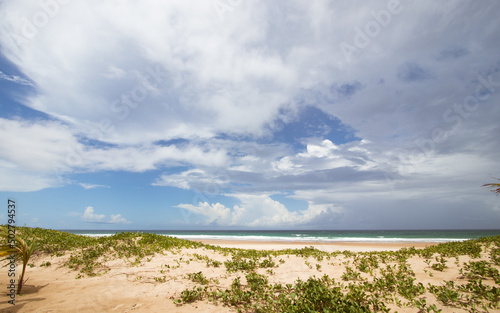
{"x":152,"y":285}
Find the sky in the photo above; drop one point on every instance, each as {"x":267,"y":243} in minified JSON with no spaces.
{"x":239,"y":114}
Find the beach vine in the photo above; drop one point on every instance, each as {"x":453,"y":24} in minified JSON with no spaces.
{"x":370,"y":282}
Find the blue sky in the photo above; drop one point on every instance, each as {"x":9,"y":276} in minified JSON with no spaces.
{"x":250,"y":114}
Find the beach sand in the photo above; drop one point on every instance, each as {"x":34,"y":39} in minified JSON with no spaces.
{"x":327,"y":247}
{"x":151,"y":286}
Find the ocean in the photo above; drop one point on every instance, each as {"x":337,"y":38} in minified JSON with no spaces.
{"x":319,"y":236}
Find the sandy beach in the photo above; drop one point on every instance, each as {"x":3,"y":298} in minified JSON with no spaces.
{"x":152,"y":285}
{"x":327,"y":247}
{"x":250,"y":156}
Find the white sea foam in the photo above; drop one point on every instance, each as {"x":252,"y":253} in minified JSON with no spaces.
{"x":96,"y":235}
{"x":293,"y":237}
{"x":313,"y":239}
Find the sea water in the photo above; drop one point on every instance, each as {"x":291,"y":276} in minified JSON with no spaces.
{"x":320,"y":236}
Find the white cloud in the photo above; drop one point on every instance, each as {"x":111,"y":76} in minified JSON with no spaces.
{"x":211,"y":78}
{"x":233,"y":75}
{"x":118,"y":219}
{"x":213,"y":212}
{"x":322,"y":150}
{"x":183,"y":72}
{"x":90,"y":216}
{"x":261,"y":211}
{"x":47,"y":142}
{"x":191,"y":179}
{"x":323,"y":155}
{"x":148,"y":157}
{"x":92,"y":186}
{"x":55,"y":151}
{"x":15,"y":79}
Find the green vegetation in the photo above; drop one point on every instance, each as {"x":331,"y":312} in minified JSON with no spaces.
{"x":392,"y":283}
{"x":351,"y":274}
{"x":198,"y":277}
{"x":238,"y":263}
{"x":88,"y":253}
{"x":314,"y":295}
{"x":480,"y":270}
{"x":22,"y":249}
{"x":441,"y":265}
{"x":209,"y":261}
{"x":371,"y":281}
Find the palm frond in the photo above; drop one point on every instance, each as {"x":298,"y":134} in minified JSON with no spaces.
{"x":495,"y":187}
{"x":20,"y":249}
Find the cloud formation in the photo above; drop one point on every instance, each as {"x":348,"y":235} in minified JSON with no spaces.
{"x":15,"y":79}
{"x":257,"y":99}
{"x":261,"y":211}
{"x":90,"y":216}
{"x":92,"y":186}
{"x":56,"y":151}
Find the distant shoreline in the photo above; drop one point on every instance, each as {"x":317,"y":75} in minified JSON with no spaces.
{"x":328,"y":247}
{"x":158,"y":274}
{"x":310,"y":237}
